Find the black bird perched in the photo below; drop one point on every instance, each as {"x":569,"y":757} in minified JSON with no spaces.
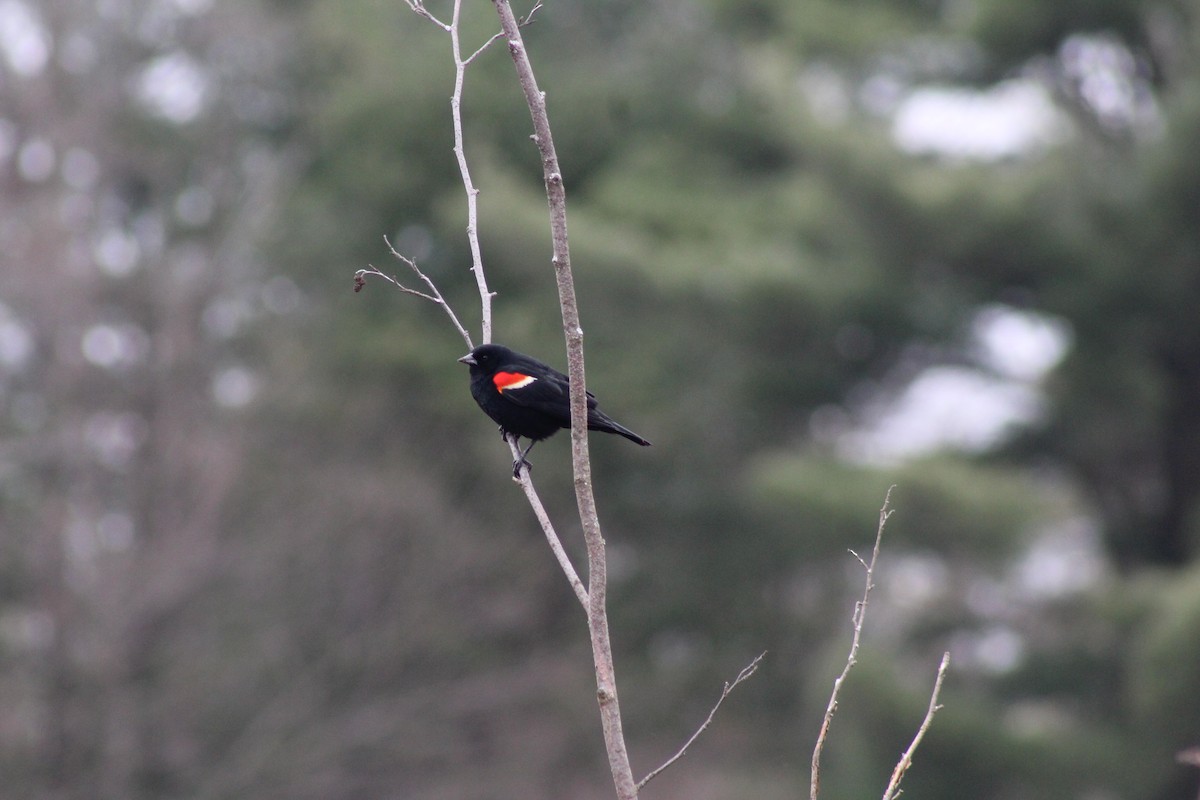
{"x":528,"y":398}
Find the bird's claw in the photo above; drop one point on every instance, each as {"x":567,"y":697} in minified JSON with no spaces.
{"x":521,"y":462}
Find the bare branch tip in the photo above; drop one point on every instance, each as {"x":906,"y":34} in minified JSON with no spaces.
{"x":746,"y":672}
{"x":528,"y":18}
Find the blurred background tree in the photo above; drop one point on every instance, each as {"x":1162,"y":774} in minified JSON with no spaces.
{"x":259,"y":541}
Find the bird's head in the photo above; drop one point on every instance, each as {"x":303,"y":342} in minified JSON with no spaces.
{"x":486,"y":357}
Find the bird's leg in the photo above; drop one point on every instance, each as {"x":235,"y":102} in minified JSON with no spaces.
{"x":515,"y":441}
{"x":522,"y":461}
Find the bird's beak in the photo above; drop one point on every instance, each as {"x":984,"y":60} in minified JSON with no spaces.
{"x":468,"y":359}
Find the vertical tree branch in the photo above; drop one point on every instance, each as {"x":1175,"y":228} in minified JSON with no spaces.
{"x":460,"y":153}
{"x":606,"y":688}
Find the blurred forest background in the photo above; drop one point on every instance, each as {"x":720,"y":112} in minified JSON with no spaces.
{"x":258,"y":542}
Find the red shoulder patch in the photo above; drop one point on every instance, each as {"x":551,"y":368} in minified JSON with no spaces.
{"x":511,"y":380}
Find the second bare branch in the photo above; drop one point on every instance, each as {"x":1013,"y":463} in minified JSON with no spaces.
{"x":746,"y":672}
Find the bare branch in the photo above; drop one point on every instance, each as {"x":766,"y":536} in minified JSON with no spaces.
{"x":746,"y":672}
{"x":522,"y":22}
{"x":460,"y":153}
{"x":893,"y":789}
{"x":360,"y":280}
{"x":497,"y":36}
{"x":860,"y":611}
{"x":433,"y":296}
{"x":528,"y":18}
{"x":419,"y":7}
{"x":460,"y":72}
{"x":543,"y":519}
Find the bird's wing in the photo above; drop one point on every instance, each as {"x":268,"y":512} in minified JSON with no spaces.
{"x":543,"y":388}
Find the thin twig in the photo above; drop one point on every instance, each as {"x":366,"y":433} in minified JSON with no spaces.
{"x":433,"y":296}
{"x":746,"y":672}
{"x":539,"y":511}
{"x":361,"y":275}
{"x":893,"y":789}
{"x":528,"y":18}
{"x":522,"y":22}
{"x":860,"y":611}
{"x":419,"y":7}
{"x":497,"y":36}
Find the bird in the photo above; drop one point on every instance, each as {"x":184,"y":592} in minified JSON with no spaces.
{"x":529,"y":399}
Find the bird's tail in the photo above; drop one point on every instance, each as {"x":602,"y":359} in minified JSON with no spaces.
{"x":599,"y":421}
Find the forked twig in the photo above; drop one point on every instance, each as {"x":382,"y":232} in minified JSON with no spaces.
{"x":746,"y":672}
{"x":498,"y":35}
{"x":419,"y":7}
{"x":460,"y":75}
{"x":860,"y":611}
{"x":433,"y":295}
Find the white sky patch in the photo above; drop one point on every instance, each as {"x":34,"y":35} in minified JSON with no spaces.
{"x":1007,"y":120}
{"x":36,"y":160}
{"x":174,"y":87}
{"x":113,"y":346}
{"x":945,"y":407}
{"x":1108,"y":78}
{"x":1066,"y":560}
{"x":117,"y":252}
{"x":998,"y":650}
{"x":23,"y":39}
{"x":193,"y":8}
{"x":235,"y":387}
{"x":958,"y":407}
{"x":1020,"y":345}
{"x":16,"y":341}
